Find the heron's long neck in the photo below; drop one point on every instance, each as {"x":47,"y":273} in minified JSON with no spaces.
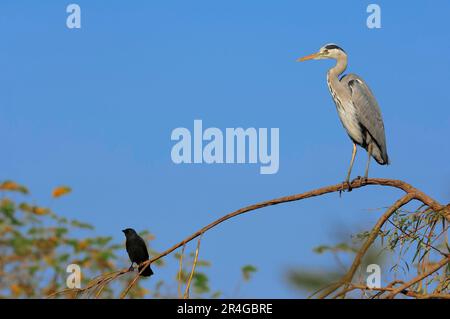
{"x":333,"y":75}
{"x":339,"y":68}
{"x":337,"y":90}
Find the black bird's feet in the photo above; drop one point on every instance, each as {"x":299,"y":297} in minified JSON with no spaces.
{"x":131,"y":268}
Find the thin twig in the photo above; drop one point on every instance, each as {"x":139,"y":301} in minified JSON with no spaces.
{"x":412,"y":236}
{"x":125,"y":292}
{"x":180,"y":271}
{"x":432,"y":270}
{"x":390,"y":289}
{"x":194,"y":264}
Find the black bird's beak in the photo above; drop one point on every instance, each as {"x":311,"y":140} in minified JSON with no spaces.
{"x":123,"y":231}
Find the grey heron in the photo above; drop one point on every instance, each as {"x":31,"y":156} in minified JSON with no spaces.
{"x":356,"y":106}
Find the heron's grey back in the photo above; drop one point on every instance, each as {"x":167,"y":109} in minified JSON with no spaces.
{"x":367,"y":111}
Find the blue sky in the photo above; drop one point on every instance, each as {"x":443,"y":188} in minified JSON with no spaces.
{"x":94,"y":109}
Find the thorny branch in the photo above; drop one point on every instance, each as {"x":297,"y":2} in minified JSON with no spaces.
{"x":411,"y":193}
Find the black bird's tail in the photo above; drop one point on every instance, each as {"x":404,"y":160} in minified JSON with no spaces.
{"x":147,"y":271}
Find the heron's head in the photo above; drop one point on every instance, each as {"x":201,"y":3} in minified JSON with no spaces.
{"x":328,"y":51}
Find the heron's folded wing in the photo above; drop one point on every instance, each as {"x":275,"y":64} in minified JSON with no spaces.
{"x":367,"y":110}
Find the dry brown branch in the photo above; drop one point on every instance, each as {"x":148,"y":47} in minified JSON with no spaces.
{"x":96,"y":282}
{"x":432,"y":270}
{"x":380,"y":290}
{"x":411,"y":193}
{"x":390,"y":289}
{"x":345,"y":281}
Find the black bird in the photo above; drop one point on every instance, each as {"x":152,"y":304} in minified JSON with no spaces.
{"x":137,"y":250}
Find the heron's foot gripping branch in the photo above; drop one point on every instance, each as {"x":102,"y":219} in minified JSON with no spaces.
{"x":359,"y":179}
{"x":345,"y":186}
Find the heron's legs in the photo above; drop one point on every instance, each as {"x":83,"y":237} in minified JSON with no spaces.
{"x":369,"y":151}
{"x":347,"y":180}
{"x":351,"y":163}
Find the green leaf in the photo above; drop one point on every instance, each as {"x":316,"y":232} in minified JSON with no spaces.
{"x":200,"y":282}
{"x":321,"y":249}
{"x":76,"y":223}
{"x":247,"y":271}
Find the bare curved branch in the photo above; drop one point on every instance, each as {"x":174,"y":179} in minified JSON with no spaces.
{"x":411,"y":193}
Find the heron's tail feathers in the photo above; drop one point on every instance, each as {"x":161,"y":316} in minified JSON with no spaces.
{"x":386,"y":159}
{"x":381,"y":156}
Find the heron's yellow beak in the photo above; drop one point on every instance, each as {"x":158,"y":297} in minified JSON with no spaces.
{"x":308,"y":57}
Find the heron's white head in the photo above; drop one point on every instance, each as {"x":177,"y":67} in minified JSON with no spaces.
{"x":328,"y":51}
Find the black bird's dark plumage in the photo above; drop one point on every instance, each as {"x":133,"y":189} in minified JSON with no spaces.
{"x":137,"y":250}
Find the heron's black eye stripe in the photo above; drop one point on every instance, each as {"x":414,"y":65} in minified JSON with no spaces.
{"x":333,"y":46}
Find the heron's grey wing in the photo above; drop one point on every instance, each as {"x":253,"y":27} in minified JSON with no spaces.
{"x":367,"y":111}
